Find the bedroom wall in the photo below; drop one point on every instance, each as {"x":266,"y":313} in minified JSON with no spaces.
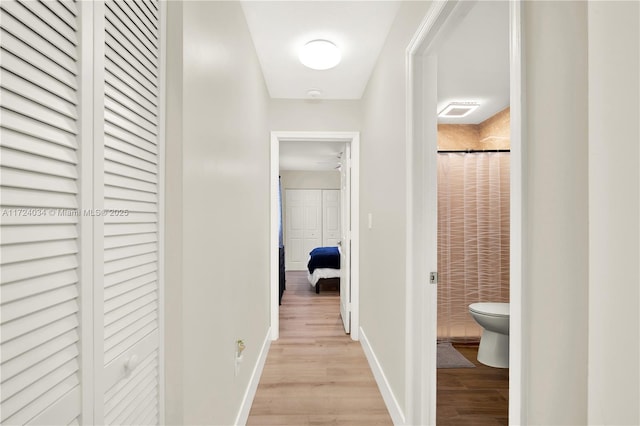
{"x":383,"y":164}
{"x":219,"y":132}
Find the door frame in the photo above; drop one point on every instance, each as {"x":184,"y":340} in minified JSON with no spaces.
{"x":421,"y":313}
{"x":352,"y":138}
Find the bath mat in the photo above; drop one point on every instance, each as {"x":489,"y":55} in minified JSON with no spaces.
{"x":449,"y":357}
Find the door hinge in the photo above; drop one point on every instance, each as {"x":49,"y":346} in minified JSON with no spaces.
{"x":433,"y":278}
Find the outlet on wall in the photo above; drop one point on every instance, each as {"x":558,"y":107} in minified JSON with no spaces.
{"x":239,"y":348}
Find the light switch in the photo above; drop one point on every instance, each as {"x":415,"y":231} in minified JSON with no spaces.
{"x":370,"y":220}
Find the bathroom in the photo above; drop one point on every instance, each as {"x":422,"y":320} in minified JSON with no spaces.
{"x":474,"y":218}
{"x":473,"y":222}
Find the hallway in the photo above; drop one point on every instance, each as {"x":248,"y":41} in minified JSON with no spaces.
{"x":315,"y":373}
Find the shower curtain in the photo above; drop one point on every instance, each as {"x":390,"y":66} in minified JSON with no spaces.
{"x":473,"y":238}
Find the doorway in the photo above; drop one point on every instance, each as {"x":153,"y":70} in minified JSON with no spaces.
{"x":422,"y":233}
{"x":349,"y":299}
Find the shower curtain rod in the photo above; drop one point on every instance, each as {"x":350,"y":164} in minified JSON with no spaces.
{"x":471,"y":151}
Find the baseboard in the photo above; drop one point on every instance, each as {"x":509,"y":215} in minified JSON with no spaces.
{"x":397,"y":415}
{"x":250,"y":393}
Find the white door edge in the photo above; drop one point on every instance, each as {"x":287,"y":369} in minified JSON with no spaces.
{"x":345,"y":266}
{"x":161,"y":212}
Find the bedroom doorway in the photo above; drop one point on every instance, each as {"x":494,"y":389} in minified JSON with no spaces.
{"x":349,"y":247}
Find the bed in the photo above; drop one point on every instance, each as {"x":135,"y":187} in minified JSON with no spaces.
{"x":324,"y":267}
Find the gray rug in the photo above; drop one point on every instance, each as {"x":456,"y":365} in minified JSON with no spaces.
{"x":449,"y":357}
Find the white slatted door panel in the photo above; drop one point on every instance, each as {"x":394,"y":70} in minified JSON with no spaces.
{"x":131,"y":245}
{"x":39,"y":293}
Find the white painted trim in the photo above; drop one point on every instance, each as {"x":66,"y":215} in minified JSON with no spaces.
{"x":252,"y":387}
{"x":349,"y":137}
{"x":395,"y":410}
{"x":274,"y":240}
{"x":98,"y":204}
{"x":421,"y":323}
{"x":88,"y":368}
{"x":409,"y":329}
{"x":355,"y":236}
{"x":517,"y":350}
{"x":161,"y":209}
{"x":421,"y":333}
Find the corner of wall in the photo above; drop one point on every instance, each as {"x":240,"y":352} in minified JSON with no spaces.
{"x":395,"y":409}
{"x":252,"y":386}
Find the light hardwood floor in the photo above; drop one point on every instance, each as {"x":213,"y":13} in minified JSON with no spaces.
{"x":472,"y":396}
{"x":315,"y":374}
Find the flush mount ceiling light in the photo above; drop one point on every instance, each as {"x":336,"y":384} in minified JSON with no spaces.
{"x":320,"y":55}
{"x":458,"y":109}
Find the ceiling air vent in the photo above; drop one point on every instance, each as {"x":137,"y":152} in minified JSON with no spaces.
{"x":458,"y":109}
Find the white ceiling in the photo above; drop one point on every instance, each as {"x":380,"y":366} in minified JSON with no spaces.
{"x":473,"y":59}
{"x":280,"y":28}
{"x":311,"y":156}
{"x":473,"y":62}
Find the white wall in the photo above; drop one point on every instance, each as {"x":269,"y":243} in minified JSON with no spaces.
{"x":383,"y":187}
{"x":173,"y":218}
{"x":315,"y":115}
{"x":614,"y":184}
{"x":555,"y":259}
{"x":294,"y":179}
{"x":222,"y":135}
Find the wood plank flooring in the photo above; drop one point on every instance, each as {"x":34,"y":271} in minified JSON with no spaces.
{"x":472,"y":396}
{"x":315,"y":374}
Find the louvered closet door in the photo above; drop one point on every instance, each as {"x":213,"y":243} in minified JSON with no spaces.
{"x":39,"y":294}
{"x":131,"y":292}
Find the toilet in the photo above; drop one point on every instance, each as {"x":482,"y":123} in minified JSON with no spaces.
{"x":494,"y":343}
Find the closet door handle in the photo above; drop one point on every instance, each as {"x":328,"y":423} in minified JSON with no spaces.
{"x":130,"y":364}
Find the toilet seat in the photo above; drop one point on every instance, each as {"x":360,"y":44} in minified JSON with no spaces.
{"x":490,"y":309}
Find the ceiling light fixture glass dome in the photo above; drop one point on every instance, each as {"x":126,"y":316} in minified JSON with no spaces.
{"x":320,"y":55}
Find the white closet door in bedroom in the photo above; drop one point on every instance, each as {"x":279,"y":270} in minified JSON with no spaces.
{"x":331,"y":230}
{"x":303,"y":226}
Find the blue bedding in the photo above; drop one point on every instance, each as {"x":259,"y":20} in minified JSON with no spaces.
{"x":324,"y":257}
